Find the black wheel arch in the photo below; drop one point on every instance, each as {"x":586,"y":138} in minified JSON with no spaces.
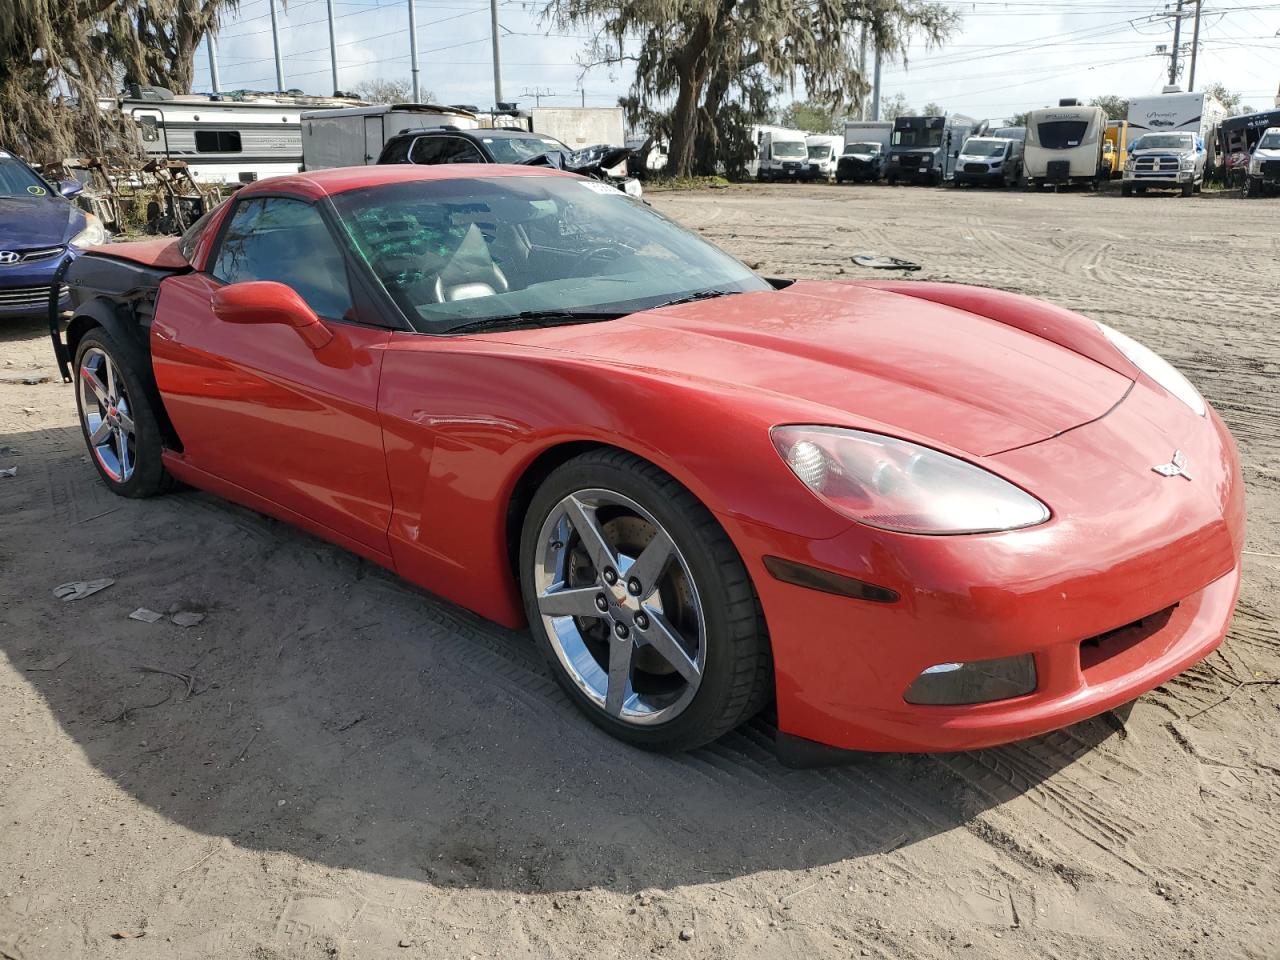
{"x":130,"y":337}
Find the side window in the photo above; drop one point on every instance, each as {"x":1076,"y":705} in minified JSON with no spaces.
{"x":271,"y":238}
{"x":459,"y":150}
{"x":218,"y":141}
{"x":427,"y":150}
{"x":397,"y":151}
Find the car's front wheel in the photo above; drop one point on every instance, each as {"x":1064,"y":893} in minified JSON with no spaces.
{"x":116,"y":419}
{"x":641,"y":604}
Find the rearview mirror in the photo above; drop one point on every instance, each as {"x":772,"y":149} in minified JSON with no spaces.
{"x":266,"y":301}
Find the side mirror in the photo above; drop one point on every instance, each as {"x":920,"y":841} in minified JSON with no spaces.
{"x":266,"y":301}
{"x":69,"y":188}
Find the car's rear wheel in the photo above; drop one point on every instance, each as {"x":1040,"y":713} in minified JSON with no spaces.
{"x":641,"y":604}
{"x":116,"y":419}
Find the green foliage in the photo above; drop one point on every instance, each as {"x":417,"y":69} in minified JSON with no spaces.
{"x":1116,"y":108}
{"x":891,"y":108}
{"x":57,"y":58}
{"x":932,"y":110}
{"x":1018,"y":119}
{"x":1228,"y":98}
{"x":811,"y":116}
{"x":390,"y":91}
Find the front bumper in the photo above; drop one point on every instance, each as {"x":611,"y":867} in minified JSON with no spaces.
{"x":25,"y":288}
{"x":989,"y":177}
{"x":1159,"y":178}
{"x":1122,"y":547}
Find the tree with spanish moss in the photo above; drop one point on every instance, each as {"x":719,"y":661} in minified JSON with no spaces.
{"x":58,"y":58}
{"x":709,"y":59}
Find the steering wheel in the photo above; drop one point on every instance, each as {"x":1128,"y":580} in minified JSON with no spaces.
{"x":605,"y":254}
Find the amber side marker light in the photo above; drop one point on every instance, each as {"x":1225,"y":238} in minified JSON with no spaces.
{"x":788,"y":571}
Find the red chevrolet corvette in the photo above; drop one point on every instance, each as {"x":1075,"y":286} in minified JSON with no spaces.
{"x":917,"y":516}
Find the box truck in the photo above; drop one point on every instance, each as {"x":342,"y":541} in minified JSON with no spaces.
{"x":355,"y":136}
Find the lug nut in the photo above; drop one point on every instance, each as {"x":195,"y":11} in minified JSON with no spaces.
{"x":621,"y":630}
{"x":641,"y":621}
{"x":633,"y":587}
{"x":610,"y":576}
{"x":601,"y":603}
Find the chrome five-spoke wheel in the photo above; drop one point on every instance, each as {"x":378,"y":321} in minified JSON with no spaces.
{"x":620,"y":606}
{"x":107,"y":414}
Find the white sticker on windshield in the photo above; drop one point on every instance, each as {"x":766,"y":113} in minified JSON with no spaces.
{"x":3,"y":155}
{"x":595,"y":186}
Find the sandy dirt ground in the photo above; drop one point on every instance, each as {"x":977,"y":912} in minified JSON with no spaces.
{"x":356,"y":769}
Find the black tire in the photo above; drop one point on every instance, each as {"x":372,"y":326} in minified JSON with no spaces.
{"x":149,"y":477}
{"x":737,"y":676}
{"x":1126,"y":190}
{"x":1188,"y":189}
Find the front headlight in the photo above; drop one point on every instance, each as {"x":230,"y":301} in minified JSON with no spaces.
{"x":896,"y":485}
{"x":1155,"y":367}
{"x":1255,"y":166}
{"x":1128,"y":164}
{"x":1187,"y":163}
{"x":93,"y":233}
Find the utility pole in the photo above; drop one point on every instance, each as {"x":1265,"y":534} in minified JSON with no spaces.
{"x":1195,"y":48}
{"x":1177,"y":37}
{"x":211,"y":48}
{"x":539,"y":92}
{"x":333,"y":48}
{"x":497,"y":52}
{"x":862,"y":72}
{"x":275,"y":43}
{"x":413,"y":52}
{"x":875,"y":90}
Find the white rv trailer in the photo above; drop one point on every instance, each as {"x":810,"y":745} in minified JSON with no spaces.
{"x":1175,"y":111}
{"x":221,"y":139}
{"x":1064,"y":145}
{"x":355,"y":136}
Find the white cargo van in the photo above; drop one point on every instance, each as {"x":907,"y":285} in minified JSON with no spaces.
{"x":824,"y":154}
{"x":781,"y":154}
{"x":355,"y":136}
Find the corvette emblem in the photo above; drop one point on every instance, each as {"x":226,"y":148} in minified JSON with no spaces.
{"x":1177,"y":467}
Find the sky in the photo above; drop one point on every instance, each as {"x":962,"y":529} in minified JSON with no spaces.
{"x":1007,"y":55}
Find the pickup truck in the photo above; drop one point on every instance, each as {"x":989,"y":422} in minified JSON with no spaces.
{"x":1264,"y":165}
{"x":1165,"y":161}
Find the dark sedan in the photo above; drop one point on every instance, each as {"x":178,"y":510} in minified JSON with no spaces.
{"x":39,"y":229}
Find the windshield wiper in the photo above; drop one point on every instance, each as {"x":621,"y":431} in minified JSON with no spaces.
{"x":536,"y":318}
{"x":700,"y":295}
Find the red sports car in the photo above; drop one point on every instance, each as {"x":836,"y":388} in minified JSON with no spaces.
{"x":917,"y":516}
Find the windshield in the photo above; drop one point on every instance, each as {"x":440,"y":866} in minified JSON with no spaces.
{"x":1270,"y":141}
{"x":454,"y":252}
{"x":1061,"y":134}
{"x":862,"y":148}
{"x":983,"y":148}
{"x":918,"y":132}
{"x":518,"y":149}
{"x":788,"y":150}
{"x":17,"y":180}
{"x":820,"y":152}
{"x":1165,"y":141}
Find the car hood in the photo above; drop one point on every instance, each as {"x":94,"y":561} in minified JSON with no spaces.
{"x":1262,"y":154}
{"x":38,"y":222}
{"x":1165,"y":151}
{"x":870,"y":357}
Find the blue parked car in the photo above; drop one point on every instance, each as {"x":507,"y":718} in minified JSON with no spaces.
{"x":39,"y":229}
